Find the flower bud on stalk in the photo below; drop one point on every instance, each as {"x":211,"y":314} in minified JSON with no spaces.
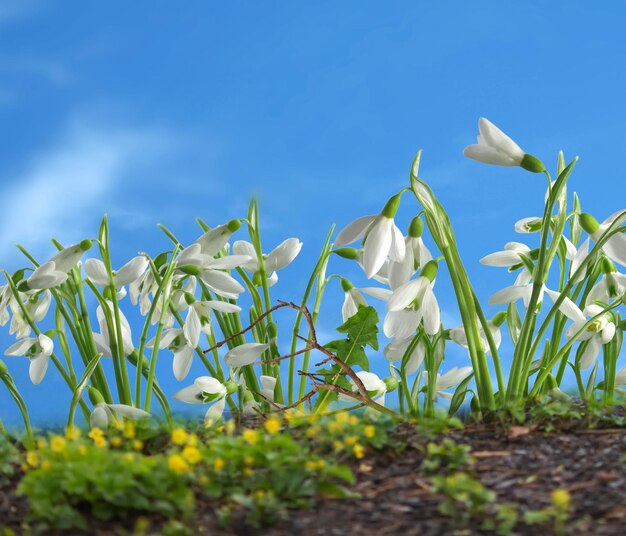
{"x":391,"y":383}
{"x":347,"y":253}
{"x":416,"y":227}
{"x":430,"y":270}
{"x":499,"y":318}
{"x":4,"y":370}
{"x":95,"y":396}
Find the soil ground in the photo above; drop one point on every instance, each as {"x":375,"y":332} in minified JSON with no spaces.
{"x":521,"y":465}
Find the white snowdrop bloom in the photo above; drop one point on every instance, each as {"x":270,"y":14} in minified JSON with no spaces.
{"x":103,"y":340}
{"x":459,"y":336}
{"x":175,"y":341}
{"x":615,"y":247}
{"x":198,"y":318}
{"x":353,"y":299}
{"x":127,"y":274}
{"x":521,"y":289}
{"x":381,"y":237}
{"x":419,"y":296}
{"x":451,"y":378}
{"x":599,"y":332}
{"x":396,"y":349}
{"x":375,"y":387}
{"x":244,"y":354}
{"x":38,"y":350}
{"x":416,"y":256}
{"x":66,"y":259}
{"x":140,"y":289}
{"x":104,"y":414}
{"x":528,"y":225}
{"x":207,"y":390}
{"x":214,"y":240}
{"x":277,"y":259}
{"x":495,"y":147}
{"x":507,"y":258}
{"x":45,"y":276}
{"x":268,"y":385}
{"x":611,"y":285}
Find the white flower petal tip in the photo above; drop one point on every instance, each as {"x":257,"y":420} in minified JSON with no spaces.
{"x":494,"y":147}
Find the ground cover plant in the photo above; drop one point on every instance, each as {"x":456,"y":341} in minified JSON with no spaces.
{"x":561,"y":313}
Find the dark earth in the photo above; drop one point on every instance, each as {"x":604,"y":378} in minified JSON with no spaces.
{"x":522,"y":465}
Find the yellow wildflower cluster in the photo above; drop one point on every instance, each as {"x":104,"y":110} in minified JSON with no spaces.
{"x":191,"y":454}
{"x":250,"y":436}
{"x":179,"y":436}
{"x":97,"y":435}
{"x":369,"y":431}
{"x":359,"y":451}
{"x":272,"y":425}
{"x":561,"y":499}
{"x":57,"y":443}
{"x":218,"y":464}
{"x":72,"y":433}
{"x":315,"y":465}
{"x":178,"y":464}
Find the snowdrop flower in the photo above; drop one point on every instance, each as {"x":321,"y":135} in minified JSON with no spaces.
{"x":449,"y":379}
{"x":104,"y":414}
{"x":244,"y":354}
{"x":175,"y":341}
{"x":495,"y":147}
{"x":416,"y":295}
{"x":36,"y":308}
{"x":599,"y":332}
{"x":396,"y":349}
{"x":130,"y":272}
{"x":528,"y":225}
{"x":5,"y":298}
{"x":459,"y":336}
{"x":416,"y":256}
{"x":38,"y":350}
{"x":521,"y":289}
{"x":214,"y":240}
{"x":611,"y":285}
{"x":507,"y":258}
{"x":353,"y":297}
{"x":45,"y":276}
{"x":66,"y":259}
{"x":375,"y":387}
{"x":382,"y":238}
{"x":268,"y":385}
{"x":192,"y":261}
{"x":615,"y":247}
{"x":103,"y":339}
{"x":198,"y":318}
{"x":277,"y":259}
{"x":140,"y":289}
{"x":205,"y":390}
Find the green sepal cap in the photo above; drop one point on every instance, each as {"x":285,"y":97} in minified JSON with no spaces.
{"x":499,"y":318}
{"x":189,"y":298}
{"x":416,"y":227}
{"x":85,"y":245}
{"x":347,"y":253}
{"x":391,"y":207}
{"x":607,"y":266}
{"x":233,"y":225}
{"x":346,"y":285}
{"x":108,"y":293}
{"x":4,"y":370}
{"x":95,"y":396}
{"x":532,"y":163}
{"x":391,"y":383}
{"x":189,"y":269}
{"x":231,"y":386}
{"x":588,"y":223}
{"x":50,"y":333}
{"x":22,"y":286}
{"x":430,"y":270}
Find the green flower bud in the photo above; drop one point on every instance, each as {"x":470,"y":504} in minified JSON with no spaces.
{"x":346,"y":285}
{"x":85,"y":245}
{"x":391,"y":383}
{"x":499,"y":318}
{"x":50,"y":333}
{"x":4,"y":370}
{"x":391,"y":207}
{"x":607,"y":266}
{"x":272,"y":330}
{"x":108,"y":293}
{"x":257,"y":279}
{"x":189,"y":298}
{"x":231,"y":387}
{"x":190,"y":269}
{"x":589,"y":223}
{"x":347,"y":253}
{"x":95,"y":396}
{"x":145,"y":364}
{"x":233,"y":225}
{"x":430,"y":270}
{"x":416,"y":227}
{"x":532,"y":164}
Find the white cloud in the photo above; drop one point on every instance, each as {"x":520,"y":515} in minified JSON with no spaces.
{"x":64,"y":190}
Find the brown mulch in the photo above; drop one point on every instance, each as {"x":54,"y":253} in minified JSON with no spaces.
{"x":521,"y":465}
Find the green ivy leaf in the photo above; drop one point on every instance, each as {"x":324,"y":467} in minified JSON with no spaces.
{"x":362,"y":328}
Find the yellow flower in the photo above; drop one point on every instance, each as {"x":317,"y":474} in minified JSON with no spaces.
{"x":218,"y":464}
{"x":129,"y":457}
{"x":130,"y":431}
{"x":359,"y":451}
{"x":96,"y":433}
{"x":313,"y":431}
{"x":192,"y":440}
{"x":247,"y":472}
{"x":117,"y":441}
{"x":32,"y":458}
{"x":192,"y":455}
{"x":354,"y":420}
{"x":315,"y":465}
{"x":57,"y":444}
{"x":82,"y":450}
{"x":72,"y":433}
{"x":137,"y":445}
{"x":369,"y":431}
{"x":250,"y":436}
{"x":334,"y":427}
{"x":42,"y":444}
{"x":561,"y":498}
{"x":351,"y":440}
{"x":248,"y":460}
{"x":229,"y":427}
{"x":203,"y":480}
{"x":342,"y":418}
{"x":177,"y":464}
{"x":272,"y":425}
{"x":99,"y":441}
{"x":337,"y":445}
{"x":179,"y":436}
{"x":45,"y":465}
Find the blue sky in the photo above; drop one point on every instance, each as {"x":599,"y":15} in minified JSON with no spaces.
{"x":160,"y":112}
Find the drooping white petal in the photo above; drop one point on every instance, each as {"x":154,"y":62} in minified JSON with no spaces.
{"x":228,"y":262}
{"x":378,"y":293}
{"x":590,"y":353}
{"x":452,"y":377}
{"x":377,"y":245}
{"x":430,"y":311}
{"x":567,"y":307}
{"x":214,"y":412}
{"x":607,"y":333}
{"x":183,"y":358}
{"x":268,"y":385}
{"x":38,"y":367}
{"x":131,"y":271}
{"x":282,"y":255}
{"x":400,"y":272}
{"x":615,"y":248}
{"x":46,"y":276}
{"x":245,"y":354}
{"x":221,"y":283}
{"x":97,"y":272}
{"x":242,"y":247}
{"x":405,"y":294}
{"x":508,"y":294}
{"x":68,"y":257}
{"x":190,"y":395}
{"x":99,"y":417}
{"x":192,"y":327}
{"x":214,"y":240}
{"x":398,"y":245}
{"x":129,"y":412}
{"x":20,"y":347}
{"x":401,"y":324}
{"x":353,"y":231}
{"x":210,"y":385}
